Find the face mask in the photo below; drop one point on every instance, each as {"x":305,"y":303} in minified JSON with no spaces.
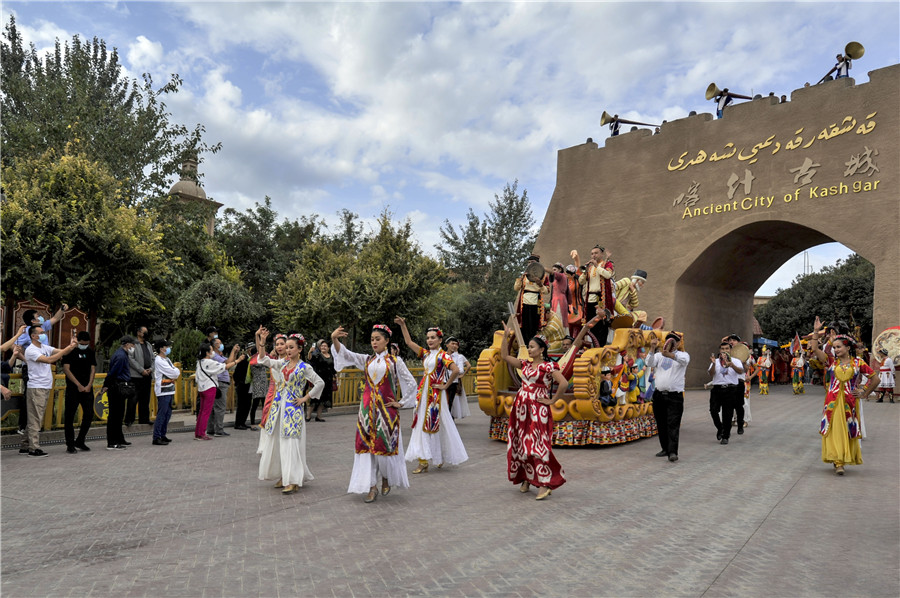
{"x":219,"y":348}
{"x":83,"y":347}
{"x":40,"y":319}
{"x":215,"y":336}
{"x":43,"y":339}
{"x":131,"y":350}
{"x":168,"y":350}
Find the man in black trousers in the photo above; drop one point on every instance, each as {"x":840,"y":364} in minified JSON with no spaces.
{"x":727,"y":390}
{"x":669,"y":366}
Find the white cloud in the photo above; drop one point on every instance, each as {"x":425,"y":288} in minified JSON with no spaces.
{"x":144,"y":55}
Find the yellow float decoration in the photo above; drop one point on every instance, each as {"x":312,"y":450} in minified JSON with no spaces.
{"x":579,"y":418}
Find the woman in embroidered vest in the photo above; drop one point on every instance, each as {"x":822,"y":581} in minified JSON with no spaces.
{"x":379,"y":443}
{"x":434,"y":436}
{"x":840,"y":427}
{"x":529,"y":453}
{"x":283,"y":443}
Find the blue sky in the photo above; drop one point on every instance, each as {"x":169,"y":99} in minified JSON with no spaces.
{"x":430,"y":108}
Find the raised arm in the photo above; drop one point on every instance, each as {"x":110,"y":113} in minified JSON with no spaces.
{"x":12,"y":341}
{"x":55,"y":318}
{"x":583,"y":332}
{"x":406,"y":337}
{"x":814,"y":343}
{"x":58,"y":353}
{"x":504,"y":349}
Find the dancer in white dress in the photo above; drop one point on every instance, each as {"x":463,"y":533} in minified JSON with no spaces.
{"x":379,"y":443}
{"x":283,"y":442}
{"x":434,"y":436}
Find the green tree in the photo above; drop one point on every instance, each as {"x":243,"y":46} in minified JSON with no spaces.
{"x":66,"y":237}
{"x":389,"y":276}
{"x":78,"y":92}
{"x":488,"y":253}
{"x":261,"y":247}
{"x":844,"y":291}
{"x":217,"y":301}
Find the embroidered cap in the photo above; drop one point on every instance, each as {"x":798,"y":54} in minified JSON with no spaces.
{"x":298,"y":337}
{"x":383,"y":328}
{"x":436,"y":330}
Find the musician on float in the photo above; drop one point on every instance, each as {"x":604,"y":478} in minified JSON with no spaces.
{"x":597,"y":290}
{"x":627,"y":289}
{"x":529,"y":304}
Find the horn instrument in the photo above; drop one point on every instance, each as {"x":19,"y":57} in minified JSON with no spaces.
{"x":605,"y":119}
{"x":713,"y":90}
{"x":854,"y":50}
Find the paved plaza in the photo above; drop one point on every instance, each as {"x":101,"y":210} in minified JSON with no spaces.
{"x":762,"y":516}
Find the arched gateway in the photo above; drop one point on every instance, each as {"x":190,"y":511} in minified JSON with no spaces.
{"x":711,"y":208}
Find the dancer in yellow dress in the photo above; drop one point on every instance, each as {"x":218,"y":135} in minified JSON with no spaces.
{"x":840,"y":428}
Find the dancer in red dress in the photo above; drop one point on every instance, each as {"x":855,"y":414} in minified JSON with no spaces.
{"x":529,"y":453}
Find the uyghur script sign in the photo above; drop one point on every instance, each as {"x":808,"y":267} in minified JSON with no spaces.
{"x":751,"y":155}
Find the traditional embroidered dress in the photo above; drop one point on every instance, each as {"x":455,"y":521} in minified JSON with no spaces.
{"x":765,"y":372}
{"x":560,"y":299}
{"x":434,"y":436}
{"x":529,"y":453}
{"x":840,"y":427}
{"x":886,"y":378}
{"x":379,"y":442}
{"x":797,"y":364}
{"x":282,"y":446}
{"x":749,"y":372}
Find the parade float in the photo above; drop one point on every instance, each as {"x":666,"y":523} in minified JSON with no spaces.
{"x":579,"y":418}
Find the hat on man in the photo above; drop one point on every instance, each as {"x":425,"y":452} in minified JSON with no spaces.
{"x":640,"y":275}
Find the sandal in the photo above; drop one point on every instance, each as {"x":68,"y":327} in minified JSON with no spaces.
{"x":525,"y":487}
{"x":544,"y":493}
{"x":278,"y":484}
{"x":372,"y":495}
{"x":385,"y":488}
{"x":422,"y":468}
{"x":289,"y":489}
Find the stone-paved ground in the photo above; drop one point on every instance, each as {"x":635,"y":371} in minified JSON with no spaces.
{"x":762,"y":516}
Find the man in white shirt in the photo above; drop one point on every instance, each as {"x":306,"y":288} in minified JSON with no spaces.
{"x":455,"y":391}
{"x":39,"y":356}
{"x":727,"y":389}
{"x":669,"y":366}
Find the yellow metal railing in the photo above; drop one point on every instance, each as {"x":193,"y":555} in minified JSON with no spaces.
{"x":350,"y":385}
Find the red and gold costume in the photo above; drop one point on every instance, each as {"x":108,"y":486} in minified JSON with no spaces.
{"x":529,"y":453}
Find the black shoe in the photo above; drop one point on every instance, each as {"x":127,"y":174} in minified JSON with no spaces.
{"x":82,"y":446}
{"x":719,"y":435}
{"x":662,"y":454}
{"x":159,"y":442}
{"x":241,"y":428}
{"x":125,"y":443}
{"x":37,"y":453}
{"x":740,"y":430}
{"x":319,"y":419}
{"x":673,"y":457}
{"x":115,"y":447}
{"x":166,"y":439}
{"x":71,"y":450}
{"x":24,"y":451}
{"x":724,"y":441}
{"x":220,"y":434}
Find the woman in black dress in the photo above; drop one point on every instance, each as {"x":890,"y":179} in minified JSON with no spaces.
{"x":323,"y":363}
